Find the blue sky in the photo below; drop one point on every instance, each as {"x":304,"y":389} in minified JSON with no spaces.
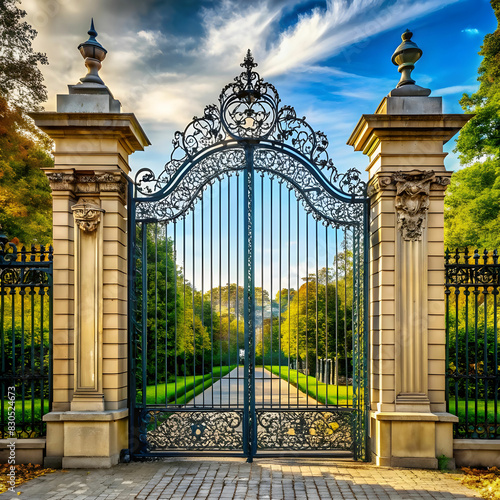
{"x":329,"y":59}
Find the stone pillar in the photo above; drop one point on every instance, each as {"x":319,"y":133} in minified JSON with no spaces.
{"x":93,"y":140}
{"x":407,"y":180}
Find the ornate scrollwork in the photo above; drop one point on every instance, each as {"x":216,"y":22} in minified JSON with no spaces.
{"x":304,"y":430}
{"x":8,"y":253}
{"x":316,"y":199}
{"x":481,"y":430}
{"x":87,"y":217}
{"x":177,"y":202}
{"x":248,"y":111}
{"x":163,"y":430}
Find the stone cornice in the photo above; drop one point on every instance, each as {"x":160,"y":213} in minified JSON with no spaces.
{"x":374,"y":127}
{"x":124,"y":126}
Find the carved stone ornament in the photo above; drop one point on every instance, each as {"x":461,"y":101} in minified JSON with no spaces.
{"x":88,"y":183}
{"x":378,"y":183}
{"x":87,"y":217}
{"x":60,"y":181}
{"x":412,"y":202}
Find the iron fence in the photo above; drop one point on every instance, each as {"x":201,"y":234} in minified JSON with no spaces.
{"x":26,"y":340}
{"x":472,"y":331}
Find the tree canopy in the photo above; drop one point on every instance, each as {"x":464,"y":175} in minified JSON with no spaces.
{"x":25,"y":200}
{"x":472,"y":204}
{"x":21,"y":81}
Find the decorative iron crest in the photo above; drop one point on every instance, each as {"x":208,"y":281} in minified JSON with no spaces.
{"x":248,"y":110}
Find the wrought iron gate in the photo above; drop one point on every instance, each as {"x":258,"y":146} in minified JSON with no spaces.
{"x":248,"y":295}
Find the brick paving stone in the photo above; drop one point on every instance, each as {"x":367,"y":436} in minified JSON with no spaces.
{"x":234,"y":479}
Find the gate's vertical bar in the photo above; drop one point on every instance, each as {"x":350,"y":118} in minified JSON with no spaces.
{"x":289,"y":265}
{"x":298,"y":301}
{"x":467,"y":294}
{"x":316,"y":320}
{"x":202,"y":297}
{"x":328,"y":379}
{"x":175,"y":312}
{"x":229,"y":284}
{"x":262,"y":271}
{"x":193,"y":213}
{"x":485,"y":346}
{"x":238,"y":290}
{"x":476,"y":293}
{"x":22,"y":293}
{"x":495,"y":333}
{"x":219,"y":228}
{"x":280,"y":205}
{"x":249,"y":423}
{"x":270,"y":295}
{"x":337,"y":312}
{"x":144,"y":316}
{"x":166,"y":312}
{"x":184,"y":329}
{"x":131,"y":309}
{"x":156,"y":313}
{"x":307,"y":309}
{"x":50,"y":293}
{"x":366,"y":328}
{"x":212,"y":286}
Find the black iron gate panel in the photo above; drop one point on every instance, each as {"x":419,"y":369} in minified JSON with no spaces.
{"x":25,"y":340}
{"x":248,"y":288}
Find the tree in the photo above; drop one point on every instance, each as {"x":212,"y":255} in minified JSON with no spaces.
{"x":21,"y":81}
{"x":317,"y":316}
{"x":25,"y":201}
{"x":472,"y":215}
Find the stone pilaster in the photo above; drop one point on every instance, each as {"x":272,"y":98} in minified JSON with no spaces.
{"x":407,"y":179}
{"x":88,"y":424}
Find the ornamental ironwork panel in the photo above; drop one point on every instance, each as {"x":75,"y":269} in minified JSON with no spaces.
{"x":472,"y":335}
{"x":162,"y":430}
{"x":248,"y":265}
{"x":304,"y":430}
{"x":25,"y":339}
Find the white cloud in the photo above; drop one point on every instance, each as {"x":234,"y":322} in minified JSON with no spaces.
{"x":455,"y":89}
{"x":471,"y":31}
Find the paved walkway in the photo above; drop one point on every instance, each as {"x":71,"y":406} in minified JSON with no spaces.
{"x":269,"y":390}
{"x":234,"y":479}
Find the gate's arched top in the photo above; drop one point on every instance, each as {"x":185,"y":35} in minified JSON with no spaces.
{"x":248,"y":112}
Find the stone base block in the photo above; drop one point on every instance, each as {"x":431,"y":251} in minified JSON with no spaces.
{"x":404,"y":439}
{"x":86,"y":439}
{"x":477,"y":452}
{"x":90,"y":462}
{"x":24,"y":451}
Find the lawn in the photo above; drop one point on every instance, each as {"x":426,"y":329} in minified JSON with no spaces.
{"x":317,"y":390}
{"x":30,"y":407}
{"x":182,"y":391}
{"x":471,"y":408}
{"x":185,"y":390}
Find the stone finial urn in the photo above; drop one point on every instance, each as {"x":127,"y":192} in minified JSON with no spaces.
{"x":405,"y":57}
{"x":93,"y":53}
